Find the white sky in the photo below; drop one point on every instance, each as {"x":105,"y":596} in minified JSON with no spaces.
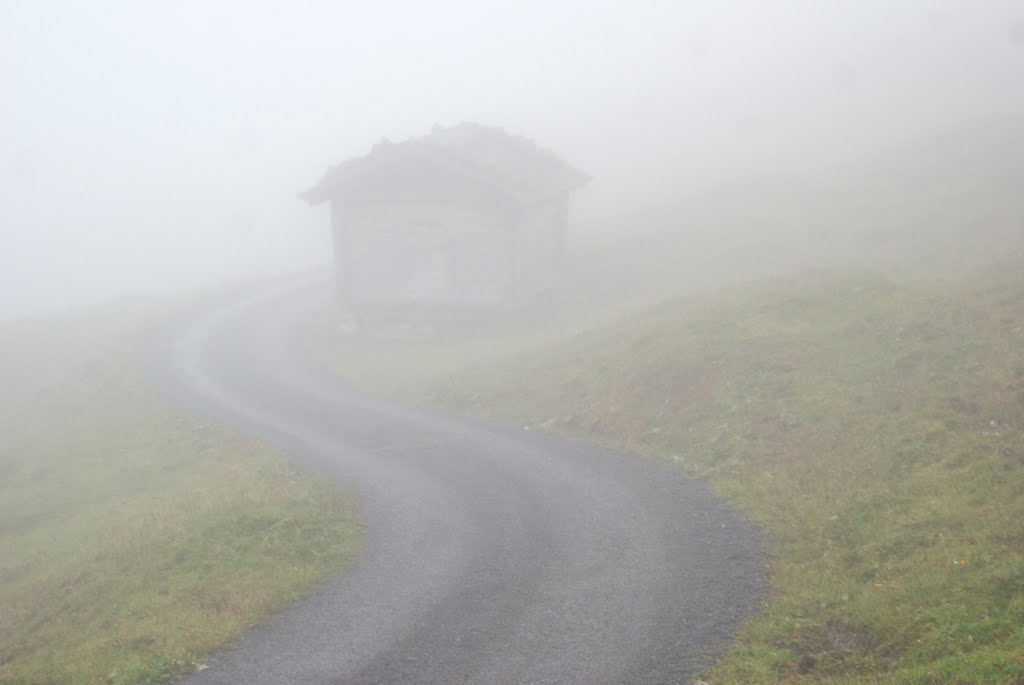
{"x":156,"y":145}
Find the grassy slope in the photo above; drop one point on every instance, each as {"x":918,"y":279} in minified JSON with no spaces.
{"x":871,"y":423}
{"x":135,"y":538}
{"x":873,"y":427}
{"x":951,"y":198}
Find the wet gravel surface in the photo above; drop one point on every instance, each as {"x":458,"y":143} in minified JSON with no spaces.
{"x":491,"y":555}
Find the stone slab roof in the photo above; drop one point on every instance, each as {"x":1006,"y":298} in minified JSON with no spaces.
{"x":511,"y":165}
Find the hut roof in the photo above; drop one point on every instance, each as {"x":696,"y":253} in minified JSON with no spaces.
{"x":510,"y":164}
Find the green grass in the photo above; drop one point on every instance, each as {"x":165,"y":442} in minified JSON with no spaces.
{"x":135,"y":538}
{"x":873,"y":427}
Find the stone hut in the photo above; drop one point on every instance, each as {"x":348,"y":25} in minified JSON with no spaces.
{"x":464,"y":220}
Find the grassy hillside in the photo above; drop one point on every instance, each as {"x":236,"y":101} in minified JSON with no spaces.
{"x":951,"y":198}
{"x":136,"y":539}
{"x":874,"y":427}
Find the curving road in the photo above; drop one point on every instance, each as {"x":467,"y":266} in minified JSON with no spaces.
{"x":491,"y":555}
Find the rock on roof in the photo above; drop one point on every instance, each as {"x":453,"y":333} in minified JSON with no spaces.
{"x":511,"y":164}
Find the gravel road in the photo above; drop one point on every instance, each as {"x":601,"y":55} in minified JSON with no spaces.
{"x":491,"y":555}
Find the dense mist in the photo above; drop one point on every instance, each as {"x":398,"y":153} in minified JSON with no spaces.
{"x":156,"y":146}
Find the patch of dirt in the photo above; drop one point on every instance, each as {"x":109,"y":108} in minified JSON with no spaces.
{"x":840,"y":647}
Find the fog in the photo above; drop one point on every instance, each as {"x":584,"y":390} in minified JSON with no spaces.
{"x":151,"y":146}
